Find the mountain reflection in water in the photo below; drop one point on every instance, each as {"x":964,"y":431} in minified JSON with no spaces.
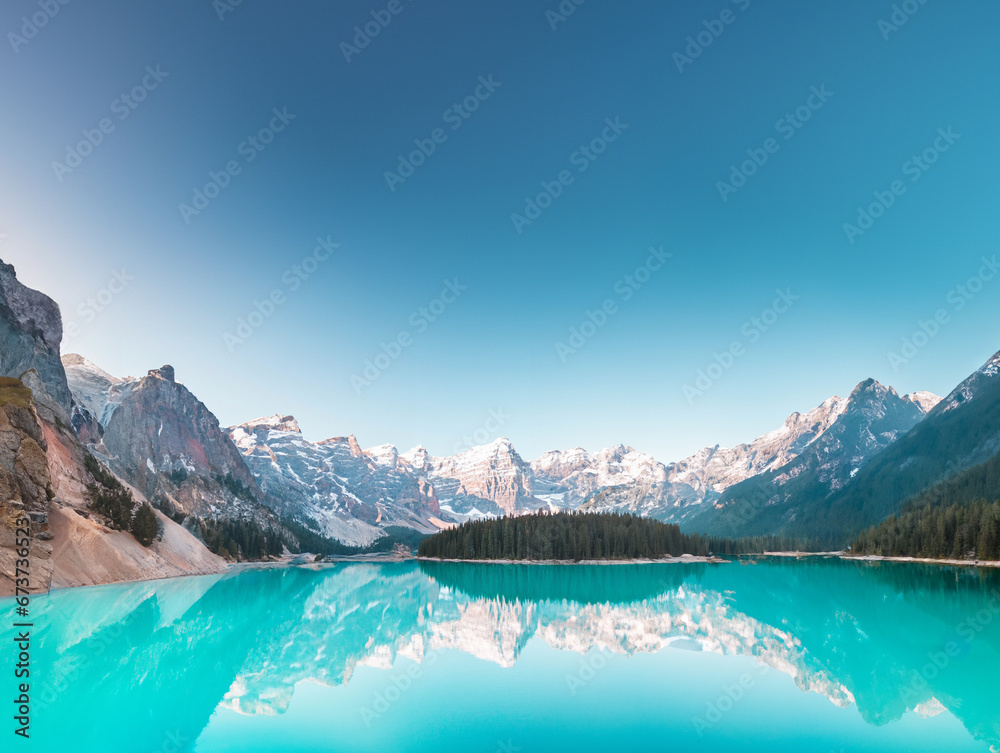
{"x":889,"y":638}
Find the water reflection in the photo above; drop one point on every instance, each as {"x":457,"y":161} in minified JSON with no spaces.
{"x":165,"y":655}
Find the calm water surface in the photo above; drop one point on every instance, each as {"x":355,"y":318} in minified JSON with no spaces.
{"x":777,"y":655}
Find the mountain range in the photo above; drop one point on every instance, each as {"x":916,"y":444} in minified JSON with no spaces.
{"x":354,"y":495}
{"x":823,"y":475}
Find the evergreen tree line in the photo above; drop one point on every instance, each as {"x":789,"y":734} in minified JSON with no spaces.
{"x":952,"y":520}
{"x":958,"y":531}
{"x":108,"y":497}
{"x":238,"y":539}
{"x":571,"y":536}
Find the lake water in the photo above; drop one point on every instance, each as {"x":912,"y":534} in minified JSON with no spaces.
{"x":822,"y":656}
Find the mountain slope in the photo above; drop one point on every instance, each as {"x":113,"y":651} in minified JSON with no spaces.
{"x":781,"y":500}
{"x":155,"y":434}
{"x":337,"y":489}
{"x":696,"y":483}
{"x":962,"y":431}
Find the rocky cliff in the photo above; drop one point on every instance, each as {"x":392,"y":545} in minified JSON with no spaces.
{"x":43,"y":474}
{"x":25,"y":489}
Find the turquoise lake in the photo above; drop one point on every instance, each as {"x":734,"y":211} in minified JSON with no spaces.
{"x":815,"y":655}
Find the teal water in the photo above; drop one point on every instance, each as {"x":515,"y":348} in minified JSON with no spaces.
{"x":777,"y":655}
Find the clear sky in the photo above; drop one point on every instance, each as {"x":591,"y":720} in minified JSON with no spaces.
{"x":831,"y":104}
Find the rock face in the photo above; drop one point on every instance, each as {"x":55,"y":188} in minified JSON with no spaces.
{"x":30,"y":333}
{"x":491,"y":479}
{"x":333,"y":487}
{"x":42,"y":471}
{"x":25,"y":484}
{"x":158,"y":436}
{"x":91,"y":386}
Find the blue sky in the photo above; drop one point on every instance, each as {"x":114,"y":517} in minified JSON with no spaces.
{"x":535,"y":103}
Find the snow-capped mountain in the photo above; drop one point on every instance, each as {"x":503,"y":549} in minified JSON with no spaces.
{"x":871,"y":419}
{"x":94,"y":389}
{"x":695,"y":484}
{"x":962,"y":431}
{"x":44,"y":471}
{"x":568,"y":478}
{"x":159,"y":437}
{"x":333,"y":487}
{"x":981,"y":383}
{"x":491,"y":480}
{"x":342,"y":491}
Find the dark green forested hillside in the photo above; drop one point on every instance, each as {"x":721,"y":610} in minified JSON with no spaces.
{"x":956,"y":519}
{"x":938,"y":447}
{"x":577,"y":536}
{"x":959,"y":531}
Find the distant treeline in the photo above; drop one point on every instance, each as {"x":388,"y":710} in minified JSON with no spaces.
{"x":576,"y":536}
{"x":952,"y":520}
{"x":959,"y":531}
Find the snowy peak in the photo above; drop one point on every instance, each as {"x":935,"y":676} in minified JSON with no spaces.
{"x":874,"y":400}
{"x":984,"y":379}
{"x":559,"y":464}
{"x":418,"y":458}
{"x":714,"y":469}
{"x":82,"y":366}
{"x":567,"y":478}
{"x":277,"y":422}
{"x":350,"y":441}
{"x":385,"y":455}
{"x":91,"y":385}
{"x":489,"y":479}
{"x":926,"y":401}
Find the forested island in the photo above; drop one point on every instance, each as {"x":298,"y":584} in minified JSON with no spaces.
{"x":575,"y":536}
